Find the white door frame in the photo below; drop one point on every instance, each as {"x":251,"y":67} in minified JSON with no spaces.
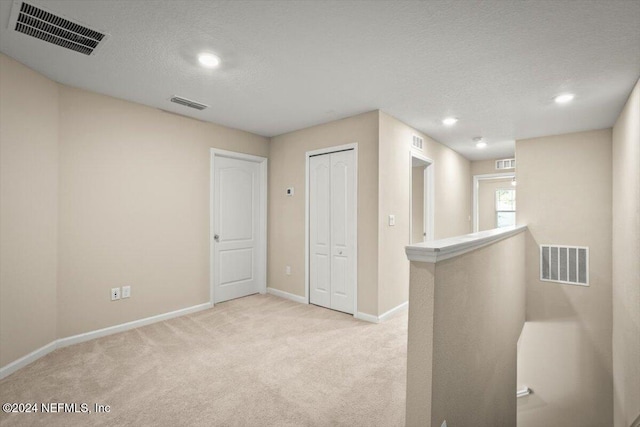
{"x":262,"y":232}
{"x":308,"y":154}
{"x":476,"y":186}
{"x":427,"y":198}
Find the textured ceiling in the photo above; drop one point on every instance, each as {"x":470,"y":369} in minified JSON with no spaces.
{"x":287,"y":65}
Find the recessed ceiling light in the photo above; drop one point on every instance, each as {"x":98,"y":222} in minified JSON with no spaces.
{"x":449,"y":121}
{"x":480,"y":143}
{"x":208,"y":60}
{"x":564,"y":98}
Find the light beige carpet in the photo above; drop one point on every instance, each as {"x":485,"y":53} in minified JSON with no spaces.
{"x":254,"y":361}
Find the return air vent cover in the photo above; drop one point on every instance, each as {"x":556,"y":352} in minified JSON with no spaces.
{"x":188,"y":103}
{"x":564,"y":264}
{"x":49,"y":27}
{"x":506,"y":164}
{"x":417,"y":142}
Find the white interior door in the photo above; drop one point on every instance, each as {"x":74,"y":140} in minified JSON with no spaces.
{"x":236,"y":224}
{"x":332,"y":229}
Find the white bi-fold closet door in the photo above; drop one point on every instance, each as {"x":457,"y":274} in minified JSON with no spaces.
{"x":332,"y":230}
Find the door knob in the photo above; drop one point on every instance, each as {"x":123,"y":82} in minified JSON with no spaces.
{"x":216,"y":237}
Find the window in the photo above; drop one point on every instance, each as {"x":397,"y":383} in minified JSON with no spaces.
{"x":505,"y":207}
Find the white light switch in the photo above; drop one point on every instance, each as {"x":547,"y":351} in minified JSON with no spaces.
{"x":392,"y":220}
{"x":287,"y":270}
{"x":126,"y":291}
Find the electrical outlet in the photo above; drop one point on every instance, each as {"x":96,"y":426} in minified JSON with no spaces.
{"x":126,"y":291}
{"x":115,"y":294}
{"x":287,"y":270}
{"x":290,"y":191}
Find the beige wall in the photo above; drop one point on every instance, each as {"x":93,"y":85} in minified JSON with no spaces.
{"x":465,"y":316}
{"x":626,"y":263}
{"x":487,"y":201}
{"x":564,"y":195}
{"x":417,"y":204}
{"x":287,"y":214}
{"x":452,"y":207}
{"x":98,"y":193}
{"x":28,"y":210}
{"x":134,"y":208}
{"x":483,"y":167}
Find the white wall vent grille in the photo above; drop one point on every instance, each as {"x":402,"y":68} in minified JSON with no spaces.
{"x":506,"y":164}
{"x":564,"y":264}
{"x":417,"y":142}
{"x":188,"y":103}
{"x":41,"y":24}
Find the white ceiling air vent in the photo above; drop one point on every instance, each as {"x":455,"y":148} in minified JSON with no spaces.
{"x":417,"y":142}
{"x":188,"y":103}
{"x":564,"y":264}
{"x":506,"y":164}
{"x":49,"y":27}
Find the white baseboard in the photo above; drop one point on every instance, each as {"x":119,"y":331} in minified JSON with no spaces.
{"x":287,"y":295}
{"x":384,"y":316}
{"x":75,"y":339}
{"x":367,"y":317}
{"x":25,"y":360}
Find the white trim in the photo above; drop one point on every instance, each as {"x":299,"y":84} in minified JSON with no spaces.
{"x":9,"y":369}
{"x":427,"y":198}
{"x":308,"y":154}
{"x":287,"y":295}
{"x":367,"y":317}
{"x":327,"y":150}
{"x":237,"y":155}
{"x":476,"y":185}
{"x":75,"y":339}
{"x":439,"y":250}
{"x":430,"y":187}
{"x":384,"y":316}
{"x":87,"y":336}
{"x":262,"y":252}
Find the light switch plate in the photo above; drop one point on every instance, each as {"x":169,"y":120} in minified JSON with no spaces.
{"x":126,"y":291}
{"x":392,"y":220}
{"x":290,"y":191}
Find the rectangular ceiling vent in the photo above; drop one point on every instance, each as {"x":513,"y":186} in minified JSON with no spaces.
{"x":417,"y":142}
{"x":564,"y":264}
{"x":49,"y":27}
{"x":506,"y":164}
{"x":188,"y":103}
